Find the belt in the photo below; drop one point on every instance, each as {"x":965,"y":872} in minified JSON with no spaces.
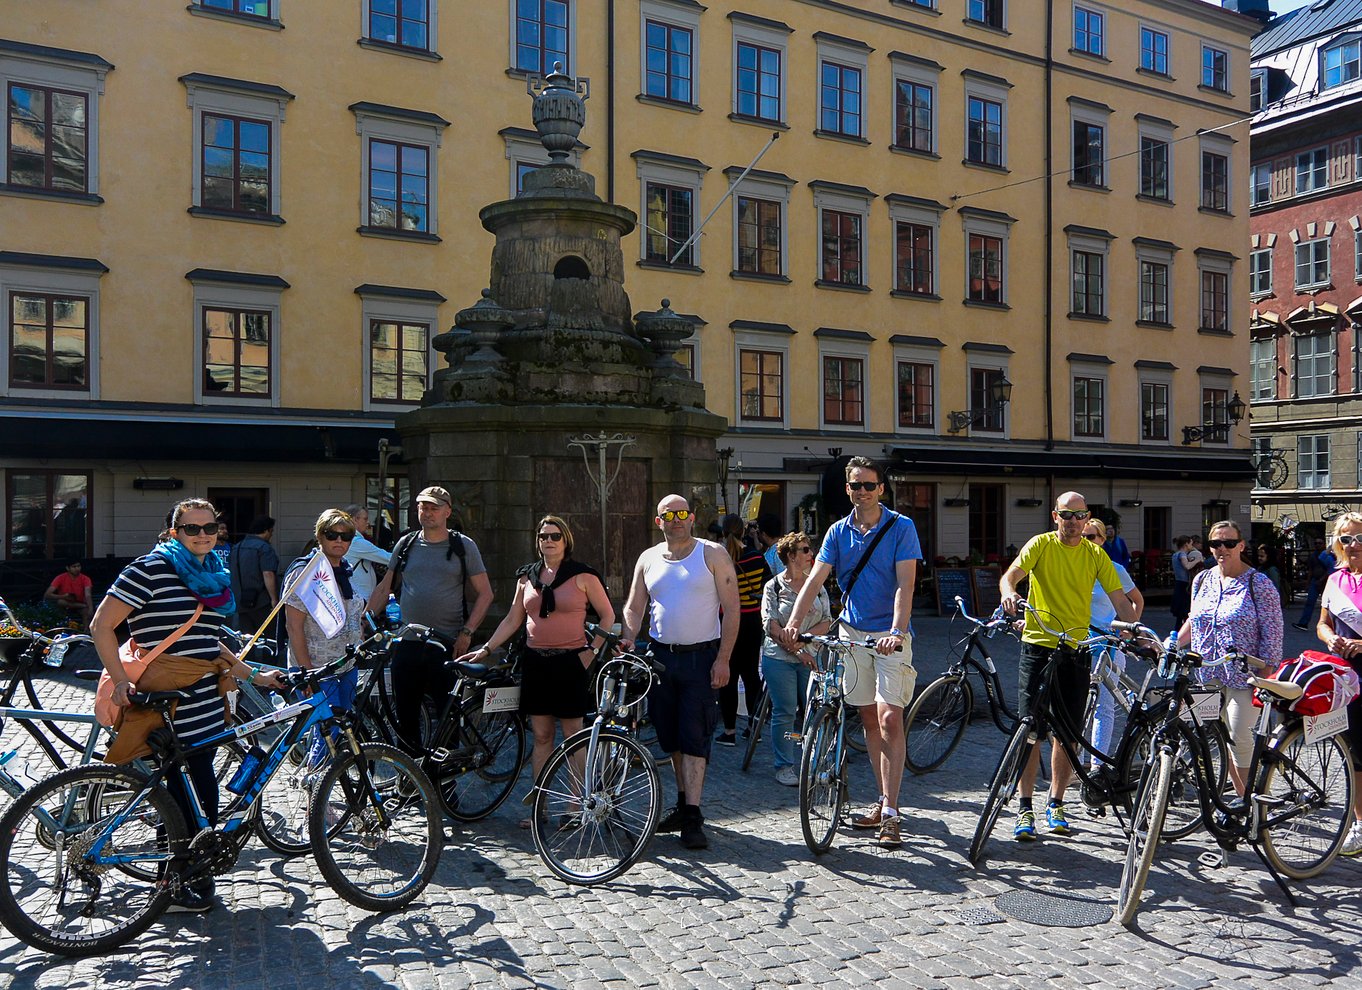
{"x":712,"y":644}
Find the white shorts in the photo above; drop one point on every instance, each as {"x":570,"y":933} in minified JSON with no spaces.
{"x":873,"y":677}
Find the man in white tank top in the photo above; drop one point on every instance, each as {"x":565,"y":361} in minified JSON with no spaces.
{"x":684,"y":583}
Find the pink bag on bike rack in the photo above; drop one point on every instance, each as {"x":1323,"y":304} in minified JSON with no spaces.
{"x":1328,"y":682}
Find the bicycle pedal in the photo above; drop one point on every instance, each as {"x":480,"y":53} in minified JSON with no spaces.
{"x":1214,"y":859}
{"x":795,"y":736}
{"x":440,"y":755}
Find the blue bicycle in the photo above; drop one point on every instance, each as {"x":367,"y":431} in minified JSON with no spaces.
{"x":91,"y":856}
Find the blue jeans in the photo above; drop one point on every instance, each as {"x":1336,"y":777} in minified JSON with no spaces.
{"x":787,"y":683}
{"x":1104,"y":718}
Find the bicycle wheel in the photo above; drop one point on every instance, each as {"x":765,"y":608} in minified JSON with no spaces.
{"x":854,"y":735}
{"x":936,"y":721}
{"x":1183,"y":816}
{"x":1146,"y":820}
{"x":1309,"y":787}
{"x":821,"y":778}
{"x":754,"y":727}
{"x":284,"y":801}
{"x":481,"y":774}
{"x":375,"y":825}
{"x":1004,"y":785}
{"x":53,"y":896}
{"x":594,"y":815}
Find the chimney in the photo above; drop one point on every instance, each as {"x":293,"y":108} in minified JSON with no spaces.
{"x":1250,"y":8}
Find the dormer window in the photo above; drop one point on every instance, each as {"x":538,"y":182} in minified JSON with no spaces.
{"x":1341,"y":63}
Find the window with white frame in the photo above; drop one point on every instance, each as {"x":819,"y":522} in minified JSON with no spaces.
{"x":399,"y":159}
{"x":51,"y":342}
{"x":1257,"y":85}
{"x":236,"y":337}
{"x":916,"y":83}
{"x":985,"y":119}
{"x":843,"y":216}
{"x":1316,"y":365}
{"x":1215,"y":181}
{"x":917,"y":229}
{"x":983,"y":378}
{"x":237,"y":128}
{"x":1215,"y":68}
{"x":1312,"y":170}
{"x":842,"y":70}
{"x":262,"y":9}
{"x":845,"y":365}
{"x":1089,"y":157}
{"x":670,"y":33}
{"x":1088,"y":31}
{"x":1154,"y":50}
{"x":50,"y":141}
{"x":1312,"y":460}
{"x":1215,"y":301}
{"x":1260,"y":272}
{"x":1155,"y":267}
{"x":1341,"y":63}
{"x":525,"y":153}
{"x":1357,"y":255}
{"x":1312,"y":263}
{"x":542,"y":35}
{"x":1089,"y":404}
{"x":916,"y":369}
{"x":397,"y":325}
{"x":759,"y":53}
{"x":1154,"y":170}
{"x":1088,"y":252}
{"x":986,"y":246}
{"x":409,"y":24}
{"x":1263,"y":377}
{"x":761,"y":207}
{"x":992,"y":13}
{"x":1215,"y":415}
{"x":670,"y":187}
{"x":1260,"y":184}
{"x":1154,"y":411}
{"x":760,"y":369}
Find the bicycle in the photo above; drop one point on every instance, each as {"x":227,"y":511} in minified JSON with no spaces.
{"x":935,"y":722}
{"x":67,"y":844}
{"x":597,"y":801}
{"x":1298,"y":806}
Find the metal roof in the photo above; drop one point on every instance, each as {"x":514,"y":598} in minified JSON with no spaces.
{"x":1304,"y":23}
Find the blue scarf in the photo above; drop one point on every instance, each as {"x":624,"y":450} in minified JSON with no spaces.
{"x":208,"y":580}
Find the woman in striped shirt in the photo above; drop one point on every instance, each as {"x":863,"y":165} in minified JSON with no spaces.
{"x":745,"y":661}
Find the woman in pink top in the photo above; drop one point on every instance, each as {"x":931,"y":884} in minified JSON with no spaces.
{"x":1340,"y":630}
{"x":551,"y":596}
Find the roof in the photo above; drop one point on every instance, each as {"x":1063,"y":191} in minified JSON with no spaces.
{"x":1304,"y":23}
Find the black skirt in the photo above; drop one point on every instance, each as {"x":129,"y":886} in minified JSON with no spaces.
{"x":555,"y":683}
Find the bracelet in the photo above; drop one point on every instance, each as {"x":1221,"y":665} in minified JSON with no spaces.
{"x":465,"y":631}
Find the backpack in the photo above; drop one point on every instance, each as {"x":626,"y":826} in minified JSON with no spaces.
{"x":402,"y":550}
{"x":1329,"y":683}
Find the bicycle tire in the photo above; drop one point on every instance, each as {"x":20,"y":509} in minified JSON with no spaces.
{"x":372,"y":866}
{"x":120,"y":906}
{"x":284,"y":802}
{"x":1003,"y":786}
{"x":592,"y":823}
{"x":1183,"y":816}
{"x":854,"y":735}
{"x":475,"y":784}
{"x":935,"y":722}
{"x":821,"y":779}
{"x":1310,"y":792}
{"x":754,"y":727}
{"x":1146,"y":821}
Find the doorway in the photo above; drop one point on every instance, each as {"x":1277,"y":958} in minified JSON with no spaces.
{"x":237,"y":507}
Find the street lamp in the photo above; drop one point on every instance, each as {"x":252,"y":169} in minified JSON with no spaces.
{"x":724,"y":455}
{"x":999,"y":395}
{"x":1216,"y":432}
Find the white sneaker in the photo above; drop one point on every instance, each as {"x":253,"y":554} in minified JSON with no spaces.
{"x":1352,"y":845}
{"x":789,"y":776}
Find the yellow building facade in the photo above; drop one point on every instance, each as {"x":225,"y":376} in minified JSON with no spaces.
{"x":228,"y":233}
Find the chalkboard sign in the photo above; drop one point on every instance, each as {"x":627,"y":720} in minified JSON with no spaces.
{"x":987,"y":595}
{"x":952,"y":582}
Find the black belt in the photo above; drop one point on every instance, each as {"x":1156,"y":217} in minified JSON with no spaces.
{"x":712,"y":644}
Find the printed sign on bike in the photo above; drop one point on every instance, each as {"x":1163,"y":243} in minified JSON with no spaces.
{"x":1205,"y":707}
{"x":1319,"y":727}
{"x":501,"y":699}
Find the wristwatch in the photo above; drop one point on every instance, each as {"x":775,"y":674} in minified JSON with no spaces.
{"x":465,"y":631}
{"x":896,"y":632}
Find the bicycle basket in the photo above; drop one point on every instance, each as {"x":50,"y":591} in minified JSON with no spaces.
{"x":633,"y":672}
{"x":1328,"y":683}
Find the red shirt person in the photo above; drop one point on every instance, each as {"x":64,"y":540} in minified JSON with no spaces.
{"x":72,"y":591}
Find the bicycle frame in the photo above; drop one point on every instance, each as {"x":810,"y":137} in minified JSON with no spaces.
{"x":10,"y":784}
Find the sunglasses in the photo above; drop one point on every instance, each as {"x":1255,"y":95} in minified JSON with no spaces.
{"x":673,"y":514}
{"x":194,"y":529}
{"x":856,"y":486}
{"x":1072,"y":513}
{"x":1091,"y":536}
{"x":1227,"y":544}
{"x":808,"y":550}
{"x":551,"y":537}
{"x":344,"y":536}
{"x":1348,"y":541}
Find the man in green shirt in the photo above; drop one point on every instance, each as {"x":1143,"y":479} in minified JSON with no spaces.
{"x":1063,"y":568}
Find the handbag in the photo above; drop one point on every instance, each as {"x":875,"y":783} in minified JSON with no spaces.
{"x":135,"y":662}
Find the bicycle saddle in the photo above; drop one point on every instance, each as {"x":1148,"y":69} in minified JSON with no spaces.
{"x":477,"y":671}
{"x":1282,"y":690}
{"x":89,"y":675}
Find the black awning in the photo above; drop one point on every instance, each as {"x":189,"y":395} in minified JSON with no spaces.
{"x":1193,"y":464}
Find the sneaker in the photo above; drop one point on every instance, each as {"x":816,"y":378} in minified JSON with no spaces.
{"x":1352,"y":845}
{"x":192,"y":900}
{"x":1025,"y":829}
{"x":889,"y":831}
{"x":871,"y":819}
{"x":693,"y":832}
{"x":1057,"y":820}
{"x":789,"y":776}
{"x":672,"y":823}
{"x":727,"y":739}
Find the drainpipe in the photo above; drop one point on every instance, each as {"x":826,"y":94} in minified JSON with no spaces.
{"x":610,"y":101}
{"x":1049,"y":226}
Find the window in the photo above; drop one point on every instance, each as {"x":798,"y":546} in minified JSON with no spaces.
{"x":669,"y":220}
{"x":840,"y":100}
{"x":1153,"y":411}
{"x":522,"y":169}
{"x":236,"y":349}
{"x":1089,"y":408}
{"x":237,"y":153}
{"x":984,"y":143}
{"x":759,"y":82}
{"x":667,"y":67}
{"x":1312,"y":263}
{"x":985,"y":268}
{"x":1260,"y":272}
{"x":1153,"y":51}
{"x":1260,"y":184}
{"x":841,"y":252}
{"x":400,"y":166}
{"x":1154,"y":306}
{"x":48,"y":139}
{"x":761,"y":384}
{"x":49,"y":514}
{"x":686,"y":358}
{"x":1357,"y":254}
{"x":48,"y":341}
{"x":405,"y":23}
{"x":399,"y":361}
{"x":523,"y":151}
{"x":912,"y":115}
{"x":542,"y":34}
{"x":1263,"y":358}
{"x":1154,"y":168}
{"x":981,"y":384}
{"x":1215,"y":416}
{"x":1315,"y":365}
{"x":1215,"y":69}
{"x":246,"y":8}
{"x":1089,"y":283}
{"x":1087,"y":154}
{"x":1215,"y":301}
{"x":914,"y":266}
{"x":1257,"y":83}
{"x":759,"y":236}
{"x":1215,"y":181}
{"x":989,"y":12}
{"x":843,"y":392}
{"x":1087,"y":31}
{"x":1312,"y":462}
{"x":1312,"y":170}
{"x":917,"y":402}
{"x":1341,"y":64}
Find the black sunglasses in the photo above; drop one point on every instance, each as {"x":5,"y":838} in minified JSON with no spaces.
{"x":194,"y":529}
{"x":1072,"y":513}
{"x":343,"y":535}
{"x":552,"y":537}
{"x":857,"y":486}
{"x":1227,"y":544}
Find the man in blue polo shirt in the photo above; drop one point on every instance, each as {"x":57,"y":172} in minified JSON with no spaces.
{"x":879,"y":681}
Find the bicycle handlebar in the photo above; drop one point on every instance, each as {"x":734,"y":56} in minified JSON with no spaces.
{"x":833,"y":642}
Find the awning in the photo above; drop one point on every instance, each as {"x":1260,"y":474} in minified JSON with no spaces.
{"x":1192,"y":464}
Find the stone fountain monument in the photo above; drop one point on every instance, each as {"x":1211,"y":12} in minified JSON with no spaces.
{"x":557,"y":398}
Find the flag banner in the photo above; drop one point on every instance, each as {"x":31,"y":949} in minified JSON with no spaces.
{"x":317,"y":590}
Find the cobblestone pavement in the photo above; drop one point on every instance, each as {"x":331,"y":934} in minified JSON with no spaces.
{"x":757,"y":909}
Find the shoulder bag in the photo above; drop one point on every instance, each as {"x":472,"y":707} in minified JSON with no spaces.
{"x":135,"y":662}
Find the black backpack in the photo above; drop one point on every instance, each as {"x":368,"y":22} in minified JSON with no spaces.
{"x":402,"y":550}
